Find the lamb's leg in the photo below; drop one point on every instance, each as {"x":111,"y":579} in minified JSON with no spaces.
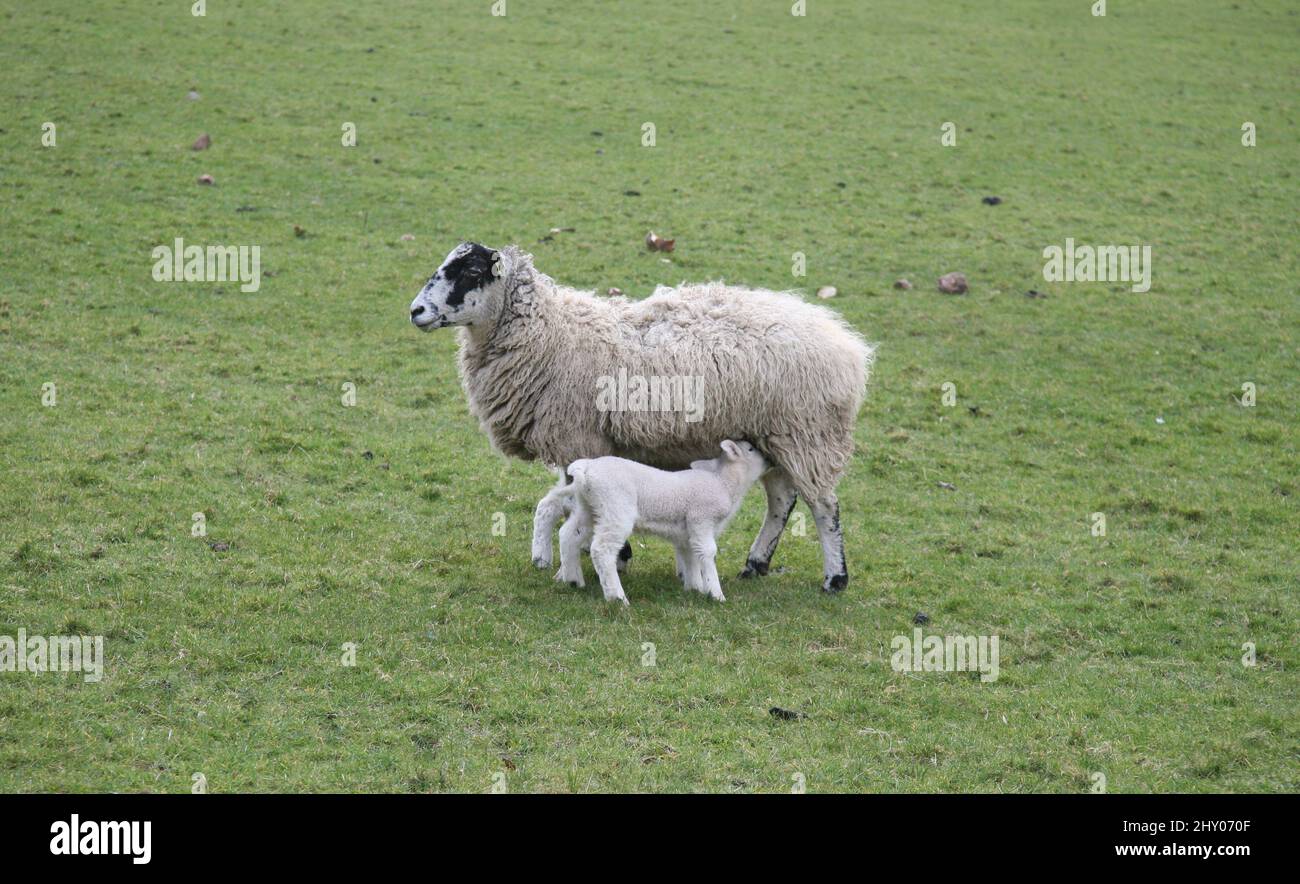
{"x":606,"y":541}
{"x":826,"y":513}
{"x":575,"y":532}
{"x":550,"y":509}
{"x":688,"y":569}
{"x":781,"y":498}
{"x":624,"y":555}
{"x":705,"y":551}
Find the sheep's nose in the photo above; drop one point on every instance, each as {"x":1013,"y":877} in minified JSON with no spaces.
{"x":416,"y":311}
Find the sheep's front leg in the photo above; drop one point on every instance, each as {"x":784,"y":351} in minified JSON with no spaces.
{"x":576,"y":532}
{"x":781,"y":497}
{"x":688,"y":569}
{"x":826,"y":513}
{"x":550,"y":509}
{"x":606,"y":541}
{"x":705,"y":550}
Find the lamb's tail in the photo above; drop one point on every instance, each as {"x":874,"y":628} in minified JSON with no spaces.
{"x":578,"y":471}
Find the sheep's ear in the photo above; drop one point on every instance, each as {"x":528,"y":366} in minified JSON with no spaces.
{"x":709,"y":466}
{"x":731,"y":449}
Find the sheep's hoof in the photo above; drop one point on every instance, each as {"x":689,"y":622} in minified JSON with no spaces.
{"x":754,"y":568}
{"x":572,"y":581}
{"x":541,"y":564}
{"x":835,"y":584}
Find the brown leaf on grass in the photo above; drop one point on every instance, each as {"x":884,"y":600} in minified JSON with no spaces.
{"x":206,"y":179}
{"x":298,"y":231}
{"x":656,"y":243}
{"x":902,"y":284}
{"x":953,"y":284}
{"x":203,"y":142}
{"x":614,"y":293}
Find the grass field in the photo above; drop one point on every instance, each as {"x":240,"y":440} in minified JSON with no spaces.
{"x":372,"y":524}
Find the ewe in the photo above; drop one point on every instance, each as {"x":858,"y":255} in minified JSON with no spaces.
{"x":786,"y":375}
{"x":689,"y":508}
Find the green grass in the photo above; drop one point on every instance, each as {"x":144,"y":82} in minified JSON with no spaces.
{"x":1120,"y":654}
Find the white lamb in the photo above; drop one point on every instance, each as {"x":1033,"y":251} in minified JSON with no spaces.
{"x":763,"y":366}
{"x":690,"y":509}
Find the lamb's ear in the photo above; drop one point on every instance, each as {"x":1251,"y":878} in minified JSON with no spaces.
{"x":731,"y":450}
{"x":709,"y":466}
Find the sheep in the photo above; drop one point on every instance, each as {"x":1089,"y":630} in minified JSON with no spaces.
{"x":534,"y":355}
{"x":689,"y":508}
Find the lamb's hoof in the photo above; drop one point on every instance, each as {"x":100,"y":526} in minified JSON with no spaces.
{"x":835,"y":584}
{"x":541,"y":564}
{"x":754,"y":568}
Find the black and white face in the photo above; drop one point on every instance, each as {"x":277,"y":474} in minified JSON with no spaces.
{"x":459,"y":292}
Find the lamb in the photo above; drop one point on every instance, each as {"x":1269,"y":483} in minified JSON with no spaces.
{"x":535,"y":356}
{"x":690,"y":508}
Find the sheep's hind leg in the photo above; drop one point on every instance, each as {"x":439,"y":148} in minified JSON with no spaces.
{"x":575,"y":532}
{"x":781,"y":497}
{"x":605,"y":543}
{"x":624,"y":555}
{"x":826,"y":513}
{"x":550,"y":509}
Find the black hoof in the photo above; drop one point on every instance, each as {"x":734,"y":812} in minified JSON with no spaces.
{"x":754,"y":568}
{"x":835,"y":584}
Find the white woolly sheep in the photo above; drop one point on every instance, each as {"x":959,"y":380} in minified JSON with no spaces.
{"x":690,"y":509}
{"x":786,"y":375}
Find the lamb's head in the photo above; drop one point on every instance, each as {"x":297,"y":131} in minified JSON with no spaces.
{"x":740,"y":461}
{"x":465,"y":290}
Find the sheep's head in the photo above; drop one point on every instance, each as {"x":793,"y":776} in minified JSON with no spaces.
{"x":463,"y":290}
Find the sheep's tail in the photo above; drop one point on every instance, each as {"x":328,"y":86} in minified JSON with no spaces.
{"x":578,"y":471}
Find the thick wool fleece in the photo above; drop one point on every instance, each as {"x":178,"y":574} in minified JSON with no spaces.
{"x":787,"y":375}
